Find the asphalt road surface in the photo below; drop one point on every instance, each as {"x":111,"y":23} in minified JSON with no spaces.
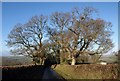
{"x":51,"y":74}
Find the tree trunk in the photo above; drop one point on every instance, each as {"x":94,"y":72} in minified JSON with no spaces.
{"x":42,"y":61}
{"x":73,"y":61}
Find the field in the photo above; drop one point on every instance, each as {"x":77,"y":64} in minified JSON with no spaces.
{"x":15,"y":60}
{"x":22,"y":60}
{"x":88,"y":71}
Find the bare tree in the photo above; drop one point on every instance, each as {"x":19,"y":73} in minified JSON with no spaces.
{"x":79,"y":33}
{"x":27,"y":39}
{"x":68,"y":34}
{"x":56,"y":31}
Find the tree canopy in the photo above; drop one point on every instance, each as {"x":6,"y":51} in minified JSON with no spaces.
{"x":73,"y":33}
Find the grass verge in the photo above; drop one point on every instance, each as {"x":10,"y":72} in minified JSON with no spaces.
{"x":88,"y":71}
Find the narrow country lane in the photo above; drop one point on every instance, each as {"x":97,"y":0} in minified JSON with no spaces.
{"x":51,"y":74}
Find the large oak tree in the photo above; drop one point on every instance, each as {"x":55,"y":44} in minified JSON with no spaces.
{"x":27,"y":39}
{"x":75,"y":33}
{"x":78,"y":32}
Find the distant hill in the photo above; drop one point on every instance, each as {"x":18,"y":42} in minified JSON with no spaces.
{"x":15,"y":60}
{"x":22,"y":60}
{"x":0,"y":60}
{"x":110,"y":58}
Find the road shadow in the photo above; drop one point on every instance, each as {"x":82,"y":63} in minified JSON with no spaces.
{"x":41,"y":72}
{"x":24,"y":72}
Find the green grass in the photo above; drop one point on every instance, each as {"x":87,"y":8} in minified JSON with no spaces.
{"x":88,"y":71}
